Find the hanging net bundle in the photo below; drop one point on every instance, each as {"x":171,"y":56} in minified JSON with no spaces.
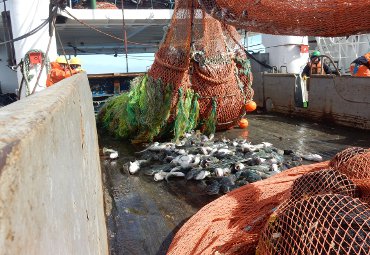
{"x":312,"y":209}
{"x":325,"y":18}
{"x":200,"y":79}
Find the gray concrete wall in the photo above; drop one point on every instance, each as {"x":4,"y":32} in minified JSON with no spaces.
{"x":51,"y":199}
{"x":258,"y":89}
{"x":343,"y":100}
{"x":280,"y":89}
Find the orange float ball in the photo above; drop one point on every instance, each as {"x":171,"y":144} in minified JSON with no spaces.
{"x":250,"y":106}
{"x":243,"y":123}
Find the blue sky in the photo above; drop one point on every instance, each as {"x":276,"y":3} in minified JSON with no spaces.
{"x":97,"y":64}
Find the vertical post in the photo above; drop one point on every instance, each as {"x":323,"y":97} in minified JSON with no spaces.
{"x":124,"y":33}
{"x":8,"y":35}
{"x":246,"y":39}
{"x":192,"y":16}
{"x":117,"y":86}
{"x":93,"y":4}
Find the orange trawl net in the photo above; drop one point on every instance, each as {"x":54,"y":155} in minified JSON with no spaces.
{"x":355,"y":163}
{"x":342,"y":157}
{"x":200,"y":80}
{"x":321,"y":224}
{"x":294,"y":17}
{"x":233,"y":223}
{"x":322,"y":182}
{"x":200,"y":53}
{"x":308,"y":222}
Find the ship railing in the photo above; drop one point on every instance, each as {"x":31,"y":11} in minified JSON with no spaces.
{"x":128,"y":4}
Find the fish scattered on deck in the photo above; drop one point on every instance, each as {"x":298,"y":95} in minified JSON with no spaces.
{"x":221,"y":165}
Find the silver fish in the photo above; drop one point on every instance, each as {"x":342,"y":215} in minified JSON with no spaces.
{"x":151,"y":172}
{"x":176,"y":174}
{"x":195,"y":161}
{"x":181,"y":152}
{"x":202,"y":175}
{"x":311,"y":157}
{"x":134,"y":167}
{"x":113,"y":155}
{"x":275,"y":168}
{"x":184,"y":161}
{"x":106,"y":150}
{"x":219,"y":172}
{"x":159,"y":147}
{"x":239,"y":166}
{"x":247,"y":147}
{"x":206,"y":150}
{"x":160,"y":176}
{"x":191,"y":174}
{"x":260,"y":168}
{"x":175,"y":169}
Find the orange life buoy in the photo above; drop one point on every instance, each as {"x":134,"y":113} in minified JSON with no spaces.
{"x":250,"y":106}
{"x":243,"y":123}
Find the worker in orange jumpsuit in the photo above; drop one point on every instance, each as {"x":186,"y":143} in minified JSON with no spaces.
{"x":360,"y":67}
{"x":60,"y":69}
{"x":75,"y":64}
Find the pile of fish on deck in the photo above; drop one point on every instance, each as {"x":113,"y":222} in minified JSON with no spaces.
{"x":222,"y":163}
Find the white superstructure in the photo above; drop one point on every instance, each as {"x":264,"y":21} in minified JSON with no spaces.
{"x":344,"y":50}
{"x":285,"y":52}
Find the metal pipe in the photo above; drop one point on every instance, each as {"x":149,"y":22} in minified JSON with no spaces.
{"x":124,"y":33}
{"x":93,"y":4}
{"x":331,"y":60}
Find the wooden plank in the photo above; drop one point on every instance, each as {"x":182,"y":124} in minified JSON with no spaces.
{"x":113,"y":75}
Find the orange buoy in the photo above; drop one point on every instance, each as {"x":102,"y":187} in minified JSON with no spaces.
{"x":243,"y":123}
{"x":250,"y":106}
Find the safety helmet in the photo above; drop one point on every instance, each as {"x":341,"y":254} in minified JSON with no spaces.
{"x":75,"y":61}
{"x":61,"y":60}
{"x":316,"y":53}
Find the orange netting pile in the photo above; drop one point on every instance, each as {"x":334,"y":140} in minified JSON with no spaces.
{"x":312,"y":209}
{"x":294,"y":17}
{"x":321,"y":224}
{"x":201,"y":67}
{"x":355,"y":163}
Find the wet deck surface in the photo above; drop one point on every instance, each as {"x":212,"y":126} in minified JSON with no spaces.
{"x":144,"y":215}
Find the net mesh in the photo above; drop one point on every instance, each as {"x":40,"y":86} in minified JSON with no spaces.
{"x":322,"y":182}
{"x":232,"y":223}
{"x":204,"y":70}
{"x":312,"y":209}
{"x":342,"y":157}
{"x":355,"y":163}
{"x":294,"y":17}
{"x":321,"y":224}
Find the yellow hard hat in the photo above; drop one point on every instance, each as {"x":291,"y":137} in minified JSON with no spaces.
{"x":61,"y":60}
{"x":75,"y":61}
